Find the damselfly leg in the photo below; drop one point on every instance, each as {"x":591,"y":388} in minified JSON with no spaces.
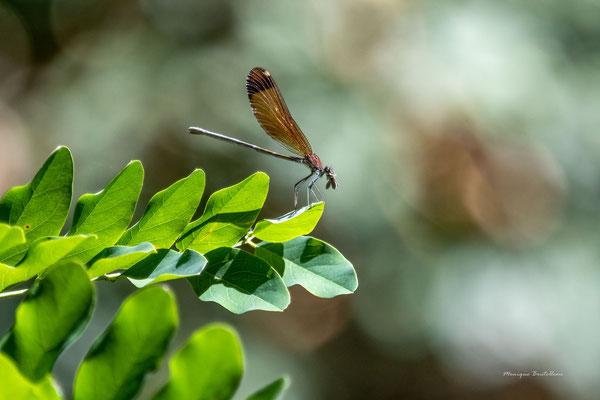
{"x":297,"y":188}
{"x":310,"y":186}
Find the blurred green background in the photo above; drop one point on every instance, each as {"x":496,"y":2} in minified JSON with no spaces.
{"x":464,"y":136}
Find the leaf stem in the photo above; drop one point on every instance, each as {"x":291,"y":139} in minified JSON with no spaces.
{"x":15,"y":293}
{"x":107,"y":277}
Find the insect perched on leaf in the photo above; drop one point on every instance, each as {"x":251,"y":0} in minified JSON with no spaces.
{"x":274,"y":117}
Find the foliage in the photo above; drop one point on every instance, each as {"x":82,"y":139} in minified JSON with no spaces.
{"x":209,"y":366}
{"x":217,"y":252}
{"x":51,"y":316}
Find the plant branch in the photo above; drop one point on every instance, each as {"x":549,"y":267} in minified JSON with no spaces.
{"x":107,"y":277}
{"x":14,"y":293}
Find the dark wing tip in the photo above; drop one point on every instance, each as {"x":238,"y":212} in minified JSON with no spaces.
{"x":258,"y":70}
{"x":258,"y":79}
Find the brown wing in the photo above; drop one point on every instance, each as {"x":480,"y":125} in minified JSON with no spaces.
{"x":272,"y":114}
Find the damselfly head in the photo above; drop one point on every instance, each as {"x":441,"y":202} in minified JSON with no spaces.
{"x":331,"y":182}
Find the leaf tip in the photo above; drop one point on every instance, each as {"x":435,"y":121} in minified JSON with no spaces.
{"x":61,"y":148}
{"x":62,"y":152}
{"x":135,"y":164}
{"x":199,"y":174}
{"x":260,"y":175}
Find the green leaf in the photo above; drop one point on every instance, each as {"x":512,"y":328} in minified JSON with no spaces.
{"x":43,"y":253}
{"x":166,"y":265}
{"x":107,"y":213}
{"x":10,"y":237}
{"x":118,"y":257}
{"x":240,"y":282}
{"x":40,"y":207}
{"x":314,"y":264}
{"x":14,"y":386}
{"x":228,"y":216}
{"x":49,"y":319}
{"x":132,"y":346}
{"x":208,"y":367}
{"x":168,"y":213}
{"x":289,"y":226}
{"x":14,"y":255}
{"x":273,"y":391}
